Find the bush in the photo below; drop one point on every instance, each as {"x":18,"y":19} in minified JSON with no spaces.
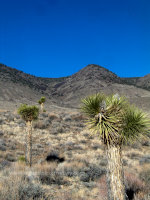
{"x":16,"y":187}
{"x":1,"y":132}
{"x":145,"y":176}
{"x":31,"y":191}
{"x":10,"y":157}
{"x":53,"y":116}
{"x":4,"y":164}
{"x":145,"y":159}
{"x":49,"y":175}
{"x":21,"y":159}
{"x":10,"y":117}
{"x":42,"y":124}
{"x":91,"y":173}
{"x":1,"y":121}
{"x":133,"y":185}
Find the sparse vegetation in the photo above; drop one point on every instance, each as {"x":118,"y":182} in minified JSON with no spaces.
{"x":16,"y":186}
{"x":84,"y":158}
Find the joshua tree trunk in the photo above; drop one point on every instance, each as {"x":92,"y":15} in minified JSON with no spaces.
{"x":42,"y":107}
{"x":115,"y":176}
{"x":28,"y":156}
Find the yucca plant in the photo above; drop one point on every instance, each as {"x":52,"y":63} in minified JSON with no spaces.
{"x":28,"y":114}
{"x":117,"y":123}
{"x":41,"y":102}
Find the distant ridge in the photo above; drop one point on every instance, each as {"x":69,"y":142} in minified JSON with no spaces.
{"x":17,"y":86}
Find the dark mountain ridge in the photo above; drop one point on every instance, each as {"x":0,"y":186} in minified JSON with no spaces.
{"x":68,"y":91}
{"x":17,"y":76}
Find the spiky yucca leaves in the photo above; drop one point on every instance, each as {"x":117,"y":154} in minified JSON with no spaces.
{"x":135,"y":124}
{"x":114,"y":119}
{"x":42,"y":100}
{"x":28,"y":113}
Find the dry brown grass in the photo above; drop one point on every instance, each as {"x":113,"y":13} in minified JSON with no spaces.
{"x":77,"y":146}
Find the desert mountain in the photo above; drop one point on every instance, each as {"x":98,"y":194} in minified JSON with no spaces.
{"x":142,"y":82}
{"x":18,"y":87}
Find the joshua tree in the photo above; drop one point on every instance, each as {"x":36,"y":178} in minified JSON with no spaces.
{"x":116,"y":122}
{"x":28,"y":114}
{"x":41,"y":102}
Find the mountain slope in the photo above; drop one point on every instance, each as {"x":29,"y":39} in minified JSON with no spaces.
{"x":141,"y":82}
{"x":18,"y":87}
{"x":93,"y":79}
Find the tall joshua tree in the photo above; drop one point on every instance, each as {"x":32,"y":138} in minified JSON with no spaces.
{"x":28,"y":114}
{"x":41,"y":102}
{"x":116,"y":122}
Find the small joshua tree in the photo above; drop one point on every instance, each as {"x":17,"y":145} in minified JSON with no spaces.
{"x":28,"y":114}
{"x":116,"y":122}
{"x":41,"y":102}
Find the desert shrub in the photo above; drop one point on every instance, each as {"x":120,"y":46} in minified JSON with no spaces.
{"x":16,"y":187}
{"x":10,"y":157}
{"x":49,"y":175}
{"x":78,"y":117}
{"x":145,"y":176}
{"x":2,"y":145}
{"x":1,"y":132}
{"x":134,"y":155}
{"x":91,"y":173}
{"x":71,"y":169}
{"x":4,"y":164}
{"x":57,"y":128}
{"x":21,"y":159}
{"x":21,"y":123}
{"x":146,"y":143}
{"x":10,"y":118}
{"x":43,"y":115}
{"x":31,"y":191}
{"x":133,"y":185}
{"x":90,"y":184}
{"x":103,"y":162}
{"x":145,"y":159}
{"x":1,"y":121}
{"x":53,"y":116}
{"x":42,"y":124}
{"x":96,"y":146}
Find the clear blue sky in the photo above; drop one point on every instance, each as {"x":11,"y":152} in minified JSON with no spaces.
{"x":55,"y":38}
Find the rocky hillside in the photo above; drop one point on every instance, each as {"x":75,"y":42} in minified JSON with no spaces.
{"x":19,"y":87}
{"x":142,"y":82}
{"x":93,"y":79}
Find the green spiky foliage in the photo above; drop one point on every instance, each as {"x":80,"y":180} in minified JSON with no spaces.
{"x":28,"y":113}
{"x":114,"y":119}
{"x":42,"y":100}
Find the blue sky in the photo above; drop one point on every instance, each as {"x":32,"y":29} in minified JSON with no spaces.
{"x":55,"y":38}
